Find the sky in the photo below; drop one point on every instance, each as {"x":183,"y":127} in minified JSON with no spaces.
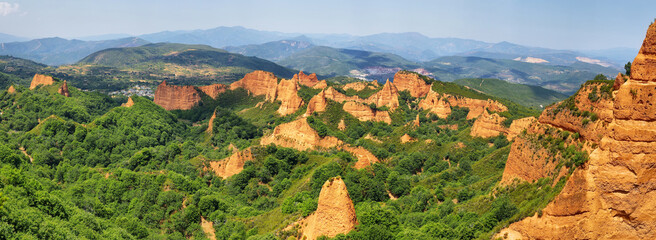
{"x":559,"y":24}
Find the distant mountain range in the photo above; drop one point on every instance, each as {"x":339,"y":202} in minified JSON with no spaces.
{"x":58,"y":51}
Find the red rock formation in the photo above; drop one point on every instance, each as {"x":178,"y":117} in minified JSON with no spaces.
{"x":63,"y":90}
{"x":299,"y":135}
{"x":476,"y":106}
{"x":365,"y":158}
{"x":286,"y":93}
{"x":231,"y":165}
{"x":612,"y":196}
{"x":258,"y":83}
{"x":410,"y":81}
{"x":318,"y":103}
{"x":488,"y":125}
{"x":176,"y":97}
{"x":129,"y":103}
{"x":336,"y":96}
{"x":436,"y":104}
{"x":619,"y":80}
{"x":388,"y":96}
{"x":213,"y":90}
{"x":341,"y":125}
{"x":518,"y":125}
{"x":335,"y":212}
{"x":210,"y":125}
{"x":357,"y":86}
{"x":39,"y":79}
{"x":320,"y":85}
{"x":306,"y":80}
{"x":365,"y":113}
{"x":11,"y":89}
{"x":406,"y":138}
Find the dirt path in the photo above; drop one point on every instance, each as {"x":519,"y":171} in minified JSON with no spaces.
{"x":25,"y":152}
{"x":208,"y":228}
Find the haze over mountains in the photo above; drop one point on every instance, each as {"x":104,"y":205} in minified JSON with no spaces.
{"x":372,"y":57}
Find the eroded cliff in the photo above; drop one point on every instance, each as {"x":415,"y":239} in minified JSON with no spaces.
{"x":335,"y":212}
{"x":39,"y":79}
{"x":172,"y":97}
{"x":411,"y":82}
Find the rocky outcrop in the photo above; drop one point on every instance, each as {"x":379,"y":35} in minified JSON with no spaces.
{"x":213,"y":90}
{"x":231,"y":165}
{"x":11,"y":89}
{"x":39,"y":79}
{"x":210,"y":125}
{"x":287,"y":94}
{"x":129,"y":103}
{"x":476,"y":106}
{"x":63,"y":89}
{"x":306,"y":80}
{"x":321,"y":85}
{"x":412,"y":82}
{"x":488,"y":125}
{"x":341,"y":125}
{"x":441,"y":104}
{"x":407,"y":138}
{"x":172,"y":97}
{"x":258,"y":83}
{"x":318,"y":103}
{"x":388,"y":96}
{"x":519,"y":125}
{"x":612,"y":196}
{"x":528,"y":159}
{"x":299,"y":135}
{"x":436,"y":104}
{"x":332,"y":94}
{"x":358,"y":86}
{"x":365,"y":158}
{"x":365,"y":113}
{"x":619,"y":80}
{"x":335,"y":212}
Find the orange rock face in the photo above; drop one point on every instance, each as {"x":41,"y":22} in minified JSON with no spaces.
{"x":517,"y":126}
{"x":39,"y":79}
{"x":441,"y":104}
{"x":258,"y":83}
{"x":365,"y":113}
{"x":406,"y":138}
{"x":611,"y":196}
{"x":11,"y":89}
{"x":306,"y":80}
{"x":299,"y":135}
{"x":176,"y":97}
{"x":411,"y":82}
{"x":231,"y":165}
{"x":213,"y":90}
{"x":528,"y":160}
{"x":619,"y":80}
{"x":365,"y":158}
{"x":318,"y":103}
{"x":335,"y":212}
{"x":129,"y":103}
{"x":488,"y":125}
{"x":357,"y":86}
{"x":210,"y":125}
{"x":286,"y":93}
{"x":320,"y":85}
{"x":388,"y":96}
{"x":644,"y":64}
{"x":436,"y":104}
{"x":63,"y":90}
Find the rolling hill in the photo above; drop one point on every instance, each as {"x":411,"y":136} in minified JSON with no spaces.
{"x":330,"y":62}
{"x":527,"y":95}
{"x":272,"y":51}
{"x":177,"y":63}
{"x":58,"y":51}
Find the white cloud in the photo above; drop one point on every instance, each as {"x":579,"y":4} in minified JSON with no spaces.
{"x":8,"y":8}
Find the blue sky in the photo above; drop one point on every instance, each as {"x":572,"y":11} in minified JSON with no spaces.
{"x":561,"y":24}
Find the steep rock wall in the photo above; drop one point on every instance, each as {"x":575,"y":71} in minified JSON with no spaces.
{"x":287,"y":94}
{"x":306,"y":80}
{"x":231,"y":165}
{"x":365,"y":113}
{"x":213,"y":90}
{"x":39,"y":79}
{"x":488,"y":125}
{"x":258,"y":83}
{"x":412,"y":82}
{"x":172,"y":97}
{"x":335,"y":212}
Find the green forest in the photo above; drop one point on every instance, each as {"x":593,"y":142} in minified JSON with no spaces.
{"x":86,"y":167}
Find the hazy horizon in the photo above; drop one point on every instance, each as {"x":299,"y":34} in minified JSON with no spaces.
{"x":577,"y":25}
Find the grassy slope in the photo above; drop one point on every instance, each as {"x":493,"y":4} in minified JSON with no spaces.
{"x":527,"y":95}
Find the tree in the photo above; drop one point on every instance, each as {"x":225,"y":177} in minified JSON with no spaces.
{"x":627,"y":68}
